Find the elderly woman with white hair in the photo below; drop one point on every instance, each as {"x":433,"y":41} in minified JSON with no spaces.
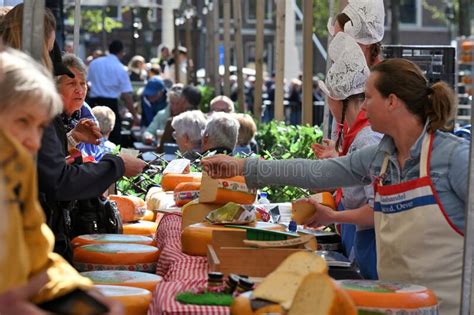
{"x":188,"y":128}
{"x":220,"y":135}
{"x":221,"y":103}
{"x":106,"y":120}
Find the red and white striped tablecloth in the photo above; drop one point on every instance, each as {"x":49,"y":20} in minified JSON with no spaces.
{"x":180,"y":273}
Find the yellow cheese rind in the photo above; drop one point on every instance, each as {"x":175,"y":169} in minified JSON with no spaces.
{"x":226,"y":190}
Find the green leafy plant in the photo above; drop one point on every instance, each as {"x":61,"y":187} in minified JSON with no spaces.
{"x":278,"y":141}
{"x":207,"y":94}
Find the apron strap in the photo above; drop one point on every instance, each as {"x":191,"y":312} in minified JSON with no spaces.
{"x":383,"y":169}
{"x":425,"y":154}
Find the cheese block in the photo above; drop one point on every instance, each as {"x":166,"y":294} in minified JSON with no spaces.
{"x":186,"y":192}
{"x":154,"y":197}
{"x":196,"y":237}
{"x":195,"y":212}
{"x":170,"y":181}
{"x":111,"y":238}
{"x":245,"y":304}
{"x":318,"y":294}
{"x":302,"y":210}
{"x":145,"y":228}
{"x":149,"y":216}
{"x":135,"y":279}
{"x":131,"y":208}
{"x":116,"y":256}
{"x":226,"y":190}
{"x":282,"y":284}
{"x":134,"y":300}
{"x":391,"y":297}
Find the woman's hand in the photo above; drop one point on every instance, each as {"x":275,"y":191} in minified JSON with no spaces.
{"x":223,"y":166}
{"x":326,"y":150}
{"x":322,"y":216}
{"x":17,"y":301}
{"x":86,"y":131}
{"x":115,"y":308}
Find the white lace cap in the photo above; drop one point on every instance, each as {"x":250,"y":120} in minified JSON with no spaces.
{"x":349,"y":72}
{"x":367,"y":17}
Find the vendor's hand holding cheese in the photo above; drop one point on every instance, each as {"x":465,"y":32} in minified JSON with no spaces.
{"x":419,"y":172}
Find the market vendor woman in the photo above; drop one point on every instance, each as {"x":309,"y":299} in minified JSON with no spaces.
{"x":419,"y":174}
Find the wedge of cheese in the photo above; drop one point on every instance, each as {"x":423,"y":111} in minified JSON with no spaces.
{"x":196,"y":237}
{"x":131,"y":208}
{"x":154,"y":198}
{"x":111,"y":238}
{"x":281,"y":285}
{"x":135,"y":279}
{"x":149,"y":216}
{"x":226,"y":190}
{"x":195,"y":212}
{"x":318,"y":294}
{"x":390,"y":297}
{"x":301,"y":210}
{"x":170,"y":181}
{"x":134,"y":300}
{"x":186,"y":192}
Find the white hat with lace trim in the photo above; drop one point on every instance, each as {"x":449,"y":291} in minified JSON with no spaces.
{"x":349,"y":73}
{"x":367,"y":21}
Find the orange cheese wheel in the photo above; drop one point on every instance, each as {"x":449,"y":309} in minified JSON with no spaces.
{"x":135,"y":279}
{"x":196,"y":237}
{"x":233,"y":189}
{"x":391,"y":297}
{"x":111,"y":238}
{"x":134,"y":300}
{"x":115,"y":256}
{"x":170,"y":181}
{"x":149,"y":216}
{"x":131,"y":208}
{"x":302,"y":210}
{"x":186,"y":192}
{"x":145,"y":228}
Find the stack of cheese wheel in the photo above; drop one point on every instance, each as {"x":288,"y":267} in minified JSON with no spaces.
{"x":186,"y":192}
{"x":195,"y":212}
{"x":302,"y":210}
{"x":134,"y":300}
{"x":135,"y":279}
{"x":169,"y":181}
{"x":111,"y":238}
{"x":386,"y":297}
{"x":196,"y":237}
{"x":131,"y":208}
{"x":115,"y":256}
{"x":146,"y":228}
{"x":222,"y":191}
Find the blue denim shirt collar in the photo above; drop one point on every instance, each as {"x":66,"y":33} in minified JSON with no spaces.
{"x":387,"y":144}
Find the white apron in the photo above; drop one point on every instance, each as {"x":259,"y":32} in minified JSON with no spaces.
{"x":416,"y":241}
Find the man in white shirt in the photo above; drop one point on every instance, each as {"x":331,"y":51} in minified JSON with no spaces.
{"x":109,"y":81}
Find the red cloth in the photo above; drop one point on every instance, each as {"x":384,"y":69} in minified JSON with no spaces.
{"x":349,"y":135}
{"x":180,"y":273}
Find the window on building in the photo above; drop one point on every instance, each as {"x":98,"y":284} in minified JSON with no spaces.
{"x":251,"y":10}
{"x":410,"y":11}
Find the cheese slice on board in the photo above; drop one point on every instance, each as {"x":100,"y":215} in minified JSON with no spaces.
{"x":195,"y":212}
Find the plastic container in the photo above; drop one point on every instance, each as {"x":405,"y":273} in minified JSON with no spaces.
{"x":262,"y":198}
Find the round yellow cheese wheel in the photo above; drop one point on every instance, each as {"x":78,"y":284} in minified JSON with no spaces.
{"x":196,"y":237}
{"x":135,"y":279}
{"x":134,"y":300}
{"x":145,"y":228}
{"x":391,"y":297}
{"x":115,"y":256}
{"x":169,"y":181}
{"x":111,"y":238}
